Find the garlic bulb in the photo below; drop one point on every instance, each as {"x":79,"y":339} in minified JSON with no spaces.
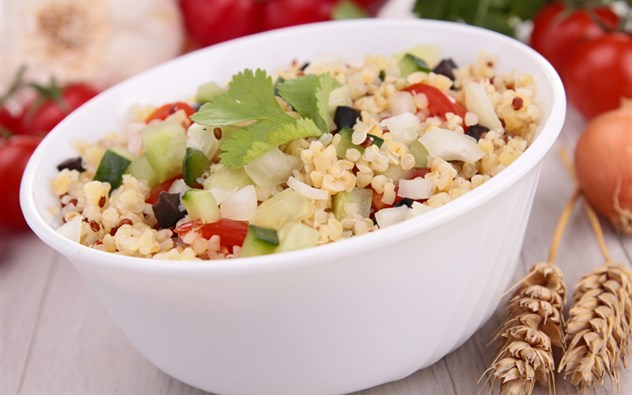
{"x":98,"y":41}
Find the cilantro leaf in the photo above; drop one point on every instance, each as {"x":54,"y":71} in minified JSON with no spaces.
{"x":256,"y":139}
{"x":250,"y":96}
{"x":249,"y":105}
{"x":309,"y":95}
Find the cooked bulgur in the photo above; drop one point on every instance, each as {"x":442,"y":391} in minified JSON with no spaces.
{"x":380,"y":154}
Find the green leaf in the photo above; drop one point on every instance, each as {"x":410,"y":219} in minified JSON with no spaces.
{"x":309,"y":95}
{"x":348,"y":10}
{"x":432,"y":9}
{"x":250,"y":96}
{"x":526,"y":9}
{"x":255,"y":140}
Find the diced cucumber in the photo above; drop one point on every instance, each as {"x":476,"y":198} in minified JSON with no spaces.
{"x":202,"y":138}
{"x":395,"y":172}
{"x":165,"y":145}
{"x":286,"y":206}
{"x":255,"y":246}
{"x":420,"y":153}
{"x":345,"y":143}
{"x":270,"y":236}
{"x":201,"y":204}
{"x":296,"y":236}
{"x":206,"y":92}
{"x":272,"y":168}
{"x":142,"y":170}
{"x":228,"y":179}
{"x":429,"y":53}
{"x":113,"y":165}
{"x":195,"y":164}
{"x":410,"y":63}
{"x":359,"y":196}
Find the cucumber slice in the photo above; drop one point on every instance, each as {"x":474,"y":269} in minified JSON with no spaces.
{"x":113,"y":165}
{"x":165,"y":145}
{"x":141,"y":169}
{"x":286,"y":206}
{"x":296,"y":236}
{"x":395,"y":172}
{"x":254,"y":246}
{"x":228,"y":179}
{"x":410,"y":63}
{"x":360,"y":196}
{"x":206,"y":92}
{"x":345,"y":143}
{"x":420,"y":153}
{"x":201,"y":204}
{"x":195,"y":164}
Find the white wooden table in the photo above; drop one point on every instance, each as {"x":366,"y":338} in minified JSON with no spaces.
{"x":56,"y":338}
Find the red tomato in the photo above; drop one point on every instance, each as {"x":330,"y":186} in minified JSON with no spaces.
{"x":211,"y":21}
{"x":599,"y":74}
{"x":370,"y":6}
{"x":557,"y":31}
{"x":14,"y":154}
{"x":162,"y":187}
{"x":168,"y":109}
{"x":232,"y":233}
{"x":439,"y":103}
{"x":9,"y":123}
{"x":281,"y":13}
{"x":41,"y":117}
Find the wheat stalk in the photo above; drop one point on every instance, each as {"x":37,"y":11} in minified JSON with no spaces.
{"x":599,"y":328}
{"x":534,"y":324}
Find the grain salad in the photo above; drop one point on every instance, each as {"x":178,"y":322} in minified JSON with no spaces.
{"x":312,"y":154}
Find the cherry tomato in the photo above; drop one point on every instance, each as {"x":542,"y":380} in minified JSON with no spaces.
{"x":557,"y":31}
{"x":14,"y":154}
{"x":439,"y":103}
{"x":156,"y":189}
{"x":211,"y":21}
{"x":599,"y":74}
{"x":370,"y":6}
{"x":281,"y":13}
{"x":168,"y":109}
{"x":9,"y":123}
{"x":232,"y":233}
{"x":41,"y":117}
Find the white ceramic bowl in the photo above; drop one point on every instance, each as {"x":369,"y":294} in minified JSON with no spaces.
{"x":325,"y":320}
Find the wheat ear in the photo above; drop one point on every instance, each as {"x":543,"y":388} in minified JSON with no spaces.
{"x":598,"y":330}
{"x":534,"y":324}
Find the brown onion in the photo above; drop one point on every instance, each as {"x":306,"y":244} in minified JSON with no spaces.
{"x":603,"y":162}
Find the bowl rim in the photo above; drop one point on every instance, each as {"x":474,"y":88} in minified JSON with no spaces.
{"x":339,"y":249}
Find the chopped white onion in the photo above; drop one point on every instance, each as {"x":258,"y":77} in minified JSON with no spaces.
{"x":306,"y":190}
{"x":402,"y":102}
{"x":241,"y":205}
{"x":179,"y":186}
{"x":450,"y":145}
{"x":403,"y":127}
{"x":135,"y":137}
{"x":417,"y":209}
{"x":272,"y":168}
{"x":390,"y":216}
{"x":418,"y":188}
{"x":477,"y":101}
{"x":202,"y":138}
{"x":72,"y":229}
{"x":221,"y":194}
